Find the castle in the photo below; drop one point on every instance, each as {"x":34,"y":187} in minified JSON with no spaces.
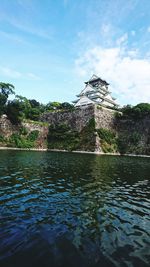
{"x":95,"y":92}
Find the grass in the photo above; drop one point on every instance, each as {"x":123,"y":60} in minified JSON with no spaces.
{"x":40,"y":123}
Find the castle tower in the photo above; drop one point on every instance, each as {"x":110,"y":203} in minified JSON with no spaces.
{"x":95,"y":92}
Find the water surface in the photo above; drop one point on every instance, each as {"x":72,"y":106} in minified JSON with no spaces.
{"x":63,"y":209}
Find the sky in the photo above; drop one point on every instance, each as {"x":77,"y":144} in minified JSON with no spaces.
{"x":49,"y":48}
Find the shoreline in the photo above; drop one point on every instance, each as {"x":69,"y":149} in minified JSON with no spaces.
{"x":76,"y":151}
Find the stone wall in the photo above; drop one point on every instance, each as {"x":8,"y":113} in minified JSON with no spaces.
{"x":140,"y":127}
{"x":76,"y":119}
{"x":104,"y":118}
{"x":43,"y":132}
{"x":79,"y":119}
{"x":35,"y":127}
{"x":6,"y":127}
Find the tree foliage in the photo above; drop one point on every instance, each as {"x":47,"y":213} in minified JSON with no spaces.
{"x":136,"y":112}
{"x":7,"y":89}
{"x":22,"y":108}
{"x":62,"y":137}
{"x":14,"y":111}
{"x":3,"y":100}
{"x":56,"y":106}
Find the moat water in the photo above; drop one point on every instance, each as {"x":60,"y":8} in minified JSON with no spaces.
{"x":65,"y":209}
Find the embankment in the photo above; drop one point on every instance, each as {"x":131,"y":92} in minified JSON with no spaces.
{"x":91,"y":129}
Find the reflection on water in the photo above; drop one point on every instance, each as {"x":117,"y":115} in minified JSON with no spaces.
{"x":63,"y":209}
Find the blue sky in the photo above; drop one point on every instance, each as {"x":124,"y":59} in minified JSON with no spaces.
{"x":49,"y":48}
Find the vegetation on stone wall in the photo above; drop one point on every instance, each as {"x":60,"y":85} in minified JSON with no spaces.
{"x":123,"y":142}
{"x":63,"y":137}
{"x":108,"y":140}
{"x":38,"y":123}
{"x":132,"y":133}
{"x":2,"y":139}
{"x":21,"y":139}
{"x":129,"y":143}
{"x":147,"y":150}
{"x":87,"y":136}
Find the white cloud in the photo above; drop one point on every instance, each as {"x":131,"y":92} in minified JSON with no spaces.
{"x":122,"y":39}
{"x":128,"y":75}
{"x":14,"y":74}
{"x":26,"y":21}
{"x":33,"y":76}
{"x":12,"y":37}
{"x":30,"y":29}
{"x":106,"y":29}
{"x":8,"y":72}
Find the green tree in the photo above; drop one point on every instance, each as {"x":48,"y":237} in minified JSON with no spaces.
{"x":25,"y":106}
{"x":144,"y":108}
{"x":136,"y":112}
{"x":53,"y":106}
{"x":14,"y":111}
{"x":35,"y":110}
{"x":7,"y":89}
{"x":33,"y":114}
{"x":3,"y":100}
{"x":34,"y":103}
{"x":127,"y":110}
{"x":66,"y":106}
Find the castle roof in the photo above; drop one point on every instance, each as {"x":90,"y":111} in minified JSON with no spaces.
{"x":95,"y":78}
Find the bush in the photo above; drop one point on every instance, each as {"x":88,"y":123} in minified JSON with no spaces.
{"x":106,"y":135}
{"x":129,"y":143}
{"x":108,"y":140}
{"x":134,"y":138}
{"x":62,"y":137}
{"x":107,"y":148}
{"x":91,"y":125}
{"x":2,"y":139}
{"x":17,"y":140}
{"x":33,"y":135}
{"x":122,"y":143}
{"x":23,"y":131}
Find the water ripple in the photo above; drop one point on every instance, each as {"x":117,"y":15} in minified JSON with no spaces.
{"x":60,"y":209}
